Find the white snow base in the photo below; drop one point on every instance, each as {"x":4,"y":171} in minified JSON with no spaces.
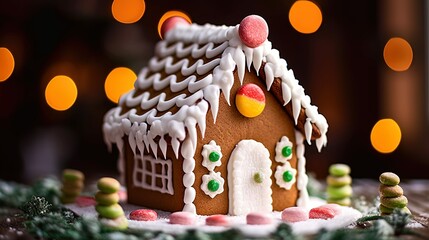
{"x":311,"y":226}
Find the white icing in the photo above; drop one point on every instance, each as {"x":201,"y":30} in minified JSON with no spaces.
{"x":279,"y":176}
{"x":284,"y":142}
{"x":302,"y":180}
{"x":245,"y":195}
{"x":148,"y":179}
{"x":207,"y":149}
{"x":217,"y":52}
{"x":212,"y":176}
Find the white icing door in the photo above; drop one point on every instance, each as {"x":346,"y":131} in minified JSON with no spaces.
{"x":249,"y":179}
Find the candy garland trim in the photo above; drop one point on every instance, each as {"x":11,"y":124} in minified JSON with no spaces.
{"x":211,"y":155}
{"x":283,"y":150}
{"x":213,"y":184}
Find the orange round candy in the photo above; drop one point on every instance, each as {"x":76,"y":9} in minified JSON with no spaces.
{"x":250,"y":100}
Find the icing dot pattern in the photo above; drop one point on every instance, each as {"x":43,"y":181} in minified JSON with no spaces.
{"x":214,"y":157}
{"x":285,"y":176}
{"x":283,"y":150}
{"x":212,"y":184}
{"x":287,"y":151}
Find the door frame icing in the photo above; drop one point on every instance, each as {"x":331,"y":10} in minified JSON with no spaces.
{"x":246,"y":156}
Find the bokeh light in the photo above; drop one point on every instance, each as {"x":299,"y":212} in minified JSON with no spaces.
{"x":128,"y":11}
{"x":119,"y":81}
{"x":385,"y":135}
{"x":169,"y":14}
{"x":61,"y":93}
{"x":398,"y":54}
{"x":7,"y":64}
{"x":305,"y":16}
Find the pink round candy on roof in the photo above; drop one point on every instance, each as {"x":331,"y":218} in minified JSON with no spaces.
{"x":143,"y":215}
{"x":170,"y":23}
{"x":182,"y":218}
{"x":258,"y":219}
{"x":253,"y":31}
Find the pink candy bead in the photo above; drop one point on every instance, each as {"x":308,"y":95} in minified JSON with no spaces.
{"x":253,"y":31}
{"x":170,"y":23}
{"x":84,"y":201}
{"x":258,"y":219}
{"x":143,"y":215}
{"x":325,"y":211}
{"x":294,"y":214}
{"x":217,"y":220}
{"x":182,"y":218}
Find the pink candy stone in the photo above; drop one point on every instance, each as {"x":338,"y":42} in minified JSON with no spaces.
{"x":258,"y":219}
{"x":85,"y":201}
{"x":143,"y":215}
{"x":294,"y":214}
{"x":182,"y":218}
{"x":325,"y":211}
{"x":170,"y":23}
{"x":253,"y":31}
{"x":217,"y":220}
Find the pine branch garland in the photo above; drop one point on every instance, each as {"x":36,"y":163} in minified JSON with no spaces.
{"x":47,"y":219}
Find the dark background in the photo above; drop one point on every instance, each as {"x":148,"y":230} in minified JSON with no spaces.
{"x":341,"y":67}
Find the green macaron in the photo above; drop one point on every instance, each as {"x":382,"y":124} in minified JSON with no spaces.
{"x":339,"y":170}
{"x":338,"y":181}
{"x":395,"y":202}
{"x":339,"y":192}
{"x":111,"y":211}
{"x":389,"y":178}
{"x":106,"y":198}
{"x":341,"y":201}
{"x":72,"y":175}
{"x":390,"y":191}
{"x":108,"y":185}
{"x":119,"y":223}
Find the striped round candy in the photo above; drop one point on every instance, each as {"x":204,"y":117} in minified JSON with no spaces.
{"x":250,"y":100}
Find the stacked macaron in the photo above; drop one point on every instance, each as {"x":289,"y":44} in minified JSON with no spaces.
{"x":110,"y":212}
{"x":73,"y":183}
{"x":339,"y":188}
{"x":391,"y":194}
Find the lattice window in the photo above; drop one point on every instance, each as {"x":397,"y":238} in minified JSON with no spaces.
{"x":153,"y":174}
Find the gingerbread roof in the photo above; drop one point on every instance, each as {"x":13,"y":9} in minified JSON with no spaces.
{"x":192,"y":66}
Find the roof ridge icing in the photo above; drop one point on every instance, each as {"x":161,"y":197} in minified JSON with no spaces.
{"x":199,"y":41}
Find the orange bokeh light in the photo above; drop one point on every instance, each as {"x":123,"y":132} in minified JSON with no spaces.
{"x":170,"y":14}
{"x":7,"y":64}
{"x":305,"y":16}
{"x":128,"y":11}
{"x":61,"y":93}
{"x":119,"y":81}
{"x":386,"y":135}
{"x":398,"y":54}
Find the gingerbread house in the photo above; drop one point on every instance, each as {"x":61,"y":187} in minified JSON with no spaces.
{"x":216,"y":124}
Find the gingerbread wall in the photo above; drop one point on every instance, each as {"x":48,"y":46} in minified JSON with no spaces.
{"x":230,"y":128}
